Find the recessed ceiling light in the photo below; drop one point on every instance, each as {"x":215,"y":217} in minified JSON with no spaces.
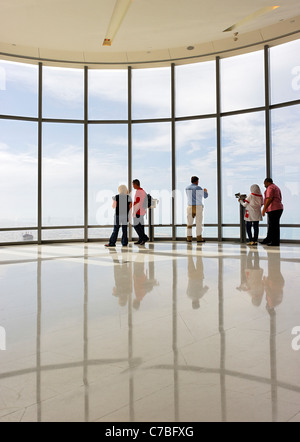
{"x":190,"y":48}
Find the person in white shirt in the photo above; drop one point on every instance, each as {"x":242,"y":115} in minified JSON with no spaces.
{"x":253,"y":204}
{"x":195,"y":197}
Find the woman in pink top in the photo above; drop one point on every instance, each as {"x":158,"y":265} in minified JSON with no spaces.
{"x":274,"y":208}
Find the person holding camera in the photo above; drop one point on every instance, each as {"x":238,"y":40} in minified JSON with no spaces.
{"x":253,"y":204}
{"x":195,"y":195}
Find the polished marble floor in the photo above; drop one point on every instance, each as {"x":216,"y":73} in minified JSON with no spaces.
{"x":169,"y":332}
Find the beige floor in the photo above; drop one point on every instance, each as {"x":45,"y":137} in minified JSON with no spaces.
{"x":168,"y":332}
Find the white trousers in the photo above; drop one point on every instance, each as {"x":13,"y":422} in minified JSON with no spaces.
{"x":192,"y":213}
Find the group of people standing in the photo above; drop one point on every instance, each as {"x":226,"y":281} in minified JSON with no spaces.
{"x":272,"y":206}
{"x":271,"y":203}
{"x":256,"y":207}
{"x":123,"y":205}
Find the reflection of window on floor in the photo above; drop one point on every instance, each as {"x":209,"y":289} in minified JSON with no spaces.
{"x":2,"y":79}
{"x":2,"y":339}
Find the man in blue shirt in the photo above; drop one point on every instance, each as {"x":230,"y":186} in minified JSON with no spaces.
{"x":195,"y":195}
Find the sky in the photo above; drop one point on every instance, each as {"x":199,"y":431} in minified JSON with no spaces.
{"x":243,"y":137}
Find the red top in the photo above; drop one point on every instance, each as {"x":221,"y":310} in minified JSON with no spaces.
{"x":274,"y":192}
{"x":139,"y":198}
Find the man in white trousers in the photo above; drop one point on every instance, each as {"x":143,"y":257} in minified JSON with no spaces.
{"x":195,"y":196}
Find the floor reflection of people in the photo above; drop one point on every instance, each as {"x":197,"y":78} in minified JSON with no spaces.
{"x":274,"y":288}
{"x":252,"y":277}
{"x":256,"y":284}
{"x":123,"y":279}
{"x":196,"y":289}
{"x":143,"y":281}
{"x":274,"y":282}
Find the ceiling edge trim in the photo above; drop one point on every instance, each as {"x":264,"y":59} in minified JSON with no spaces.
{"x":149,"y":62}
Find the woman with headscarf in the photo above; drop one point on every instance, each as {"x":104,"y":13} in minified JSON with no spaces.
{"x":122,"y":203}
{"x":253,"y":204}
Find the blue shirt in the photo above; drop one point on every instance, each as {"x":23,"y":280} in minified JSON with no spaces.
{"x":195,"y":195}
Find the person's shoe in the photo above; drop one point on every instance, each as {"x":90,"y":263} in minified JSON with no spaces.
{"x":264,"y":242}
{"x":200,"y":239}
{"x":144,"y":242}
{"x":110,"y":245}
{"x":189,"y":239}
{"x":251,"y":243}
{"x":138,"y":242}
{"x":272,"y":245}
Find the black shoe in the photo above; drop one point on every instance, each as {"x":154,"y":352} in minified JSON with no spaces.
{"x":273,"y":245}
{"x":144,"y":242}
{"x":264,"y":242}
{"x":110,"y":245}
{"x":138,"y":242}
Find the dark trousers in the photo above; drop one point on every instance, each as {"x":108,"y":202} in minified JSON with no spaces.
{"x":255,"y":225}
{"x":138,"y":224}
{"x":117,"y":224}
{"x":273,"y":236}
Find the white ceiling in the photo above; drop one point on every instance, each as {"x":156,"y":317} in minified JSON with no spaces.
{"x":54,"y":27}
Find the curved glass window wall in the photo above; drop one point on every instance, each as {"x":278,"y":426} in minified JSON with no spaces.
{"x":70,"y":137}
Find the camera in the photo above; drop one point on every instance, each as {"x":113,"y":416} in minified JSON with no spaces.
{"x":241,"y":196}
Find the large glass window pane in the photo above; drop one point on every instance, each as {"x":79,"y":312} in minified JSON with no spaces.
{"x":18,"y":174}
{"x":196,"y":89}
{"x":63,"y":175}
{"x":196,"y":154}
{"x":18,"y":89}
{"x":285,"y":72}
{"x":63,"y":93}
{"x":286,"y":162}
{"x":151,"y":164}
{"x":108,"y":94}
{"x":62,"y":234}
{"x":243,"y":159}
{"x":108,"y":168}
{"x":151,"y":93}
{"x":242,"y":82}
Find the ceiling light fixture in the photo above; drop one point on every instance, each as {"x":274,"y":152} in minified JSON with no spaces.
{"x":252,"y":17}
{"x":190,"y":48}
{"x":120,"y":10}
